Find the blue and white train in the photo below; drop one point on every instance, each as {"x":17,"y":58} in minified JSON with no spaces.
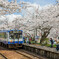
{"x":11,"y":38}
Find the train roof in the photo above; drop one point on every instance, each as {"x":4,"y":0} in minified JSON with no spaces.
{"x":9,"y":30}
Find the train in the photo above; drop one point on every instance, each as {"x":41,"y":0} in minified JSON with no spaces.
{"x":11,"y":38}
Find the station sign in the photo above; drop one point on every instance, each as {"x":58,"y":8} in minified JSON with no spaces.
{"x":36,"y":38}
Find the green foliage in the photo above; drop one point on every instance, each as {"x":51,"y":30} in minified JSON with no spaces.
{"x":46,"y":39}
{"x":49,"y":45}
{"x":54,"y":45}
{"x":38,"y":43}
{"x":32,"y":42}
{"x":45,"y":42}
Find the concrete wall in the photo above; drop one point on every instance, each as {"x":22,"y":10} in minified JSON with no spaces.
{"x":50,"y":53}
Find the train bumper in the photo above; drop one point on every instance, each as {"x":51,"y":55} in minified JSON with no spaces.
{"x":20,"y":42}
{"x":10,"y":42}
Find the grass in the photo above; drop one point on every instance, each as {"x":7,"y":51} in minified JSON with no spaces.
{"x":49,"y":45}
{"x":32,"y":42}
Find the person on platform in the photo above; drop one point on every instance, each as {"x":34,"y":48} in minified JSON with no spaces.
{"x":52,"y":42}
{"x":30,"y":41}
{"x":27,"y":40}
{"x":57,"y":46}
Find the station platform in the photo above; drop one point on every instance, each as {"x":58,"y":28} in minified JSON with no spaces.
{"x":42,"y":50}
{"x":42,"y":47}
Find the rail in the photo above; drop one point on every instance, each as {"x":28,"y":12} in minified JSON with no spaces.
{"x":29,"y":56}
{"x":3,"y":56}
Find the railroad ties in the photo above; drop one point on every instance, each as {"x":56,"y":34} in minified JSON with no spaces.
{"x":48,"y":52}
{"x":2,"y":56}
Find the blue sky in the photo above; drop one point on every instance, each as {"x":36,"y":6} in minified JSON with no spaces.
{"x":41,"y":2}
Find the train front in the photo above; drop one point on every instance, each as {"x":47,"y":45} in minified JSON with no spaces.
{"x":16,"y":37}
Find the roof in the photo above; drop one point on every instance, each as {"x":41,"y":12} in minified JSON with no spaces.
{"x":9,"y":30}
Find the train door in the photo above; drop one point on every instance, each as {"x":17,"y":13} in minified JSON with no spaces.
{"x":6,"y":37}
{"x":20,"y":37}
{"x":11,"y":37}
{"x":16,"y":37}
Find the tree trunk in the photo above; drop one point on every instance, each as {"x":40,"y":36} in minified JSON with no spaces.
{"x":44,"y":36}
{"x":42,"y":40}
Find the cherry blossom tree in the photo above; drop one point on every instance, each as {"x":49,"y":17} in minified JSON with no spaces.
{"x":44,"y":19}
{"x":7,"y":7}
{"x":34,"y":17}
{"x":11,"y":7}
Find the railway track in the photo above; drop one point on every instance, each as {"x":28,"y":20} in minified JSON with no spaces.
{"x":2,"y":56}
{"x":29,"y":55}
{"x":22,"y":52}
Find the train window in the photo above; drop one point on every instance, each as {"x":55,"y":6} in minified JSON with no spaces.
{"x":11,"y":36}
{"x":3,"y":35}
{"x":17,"y":35}
{"x":20,"y":36}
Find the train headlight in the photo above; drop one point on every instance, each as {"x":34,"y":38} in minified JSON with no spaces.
{"x":10,"y":40}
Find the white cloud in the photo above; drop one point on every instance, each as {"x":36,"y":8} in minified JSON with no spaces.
{"x":12,"y":17}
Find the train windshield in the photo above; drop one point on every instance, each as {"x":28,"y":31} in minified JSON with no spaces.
{"x":11,"y":36}
{"x":15,"y":35}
